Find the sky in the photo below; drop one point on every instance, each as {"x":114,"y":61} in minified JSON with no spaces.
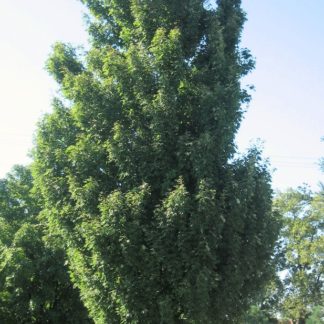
{"x":286,"y":112}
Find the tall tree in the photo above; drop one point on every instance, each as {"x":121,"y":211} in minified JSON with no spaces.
{"x":161,"y":224}
{"x":34,"y":282}
{"x":302,"y":249}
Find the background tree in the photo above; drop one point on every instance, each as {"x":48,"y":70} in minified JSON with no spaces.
{"x":266,"y":306}
{"x":256,"y":315}
{"x":136,"y":168}
{"x":303,"y":247}
{"x":34,"y":282}
{"x":317,"y":315}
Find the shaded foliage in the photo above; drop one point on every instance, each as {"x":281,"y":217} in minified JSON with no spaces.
{"x":34,"y":281}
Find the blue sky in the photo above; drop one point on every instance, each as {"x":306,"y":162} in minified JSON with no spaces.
{"x":287,"y":110}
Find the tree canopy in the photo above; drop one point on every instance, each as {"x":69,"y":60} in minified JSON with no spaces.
{"x":34,"y":280}
{"x":136,"y":168}
{"x":302,"y":247}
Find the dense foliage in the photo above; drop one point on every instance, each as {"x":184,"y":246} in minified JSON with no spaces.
{"x":317,"y":315}
{"x":34,"y":282}
{"x":302,"y":247}
{"x":135,"y":165}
